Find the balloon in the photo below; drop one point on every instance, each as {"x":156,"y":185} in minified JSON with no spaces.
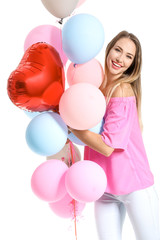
{"x":38,"y":82}
{"x":80,"y":3}
{"x":85,"y":181}
{"x":60,"y":8}
{"x":32,"y":114}
{"x":82,"y":38}
{"x":67,"y":207}
{"x":91,"y":72}
{"x":48,"y":34}
{"x":75,"y":140}
{"x":65,"y":154}
{"x":46,"y":134}
{"x":82,"y":106}
{"x":48,"y":180}
{"x":96,"y":129}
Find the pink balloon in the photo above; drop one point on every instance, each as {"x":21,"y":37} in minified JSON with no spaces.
{"x":82,"y":106}
{"x":86,"y":181}
{"x":67,"y":207}
{"x":49,"y":34}
{"x":91,"y":72}
{"x":48,"y":180}
{"x":80,"y":2}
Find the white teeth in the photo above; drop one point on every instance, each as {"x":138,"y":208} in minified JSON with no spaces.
{"x":116,"y":64}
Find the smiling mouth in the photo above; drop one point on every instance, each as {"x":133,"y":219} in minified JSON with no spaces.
{"x":116,"y":64}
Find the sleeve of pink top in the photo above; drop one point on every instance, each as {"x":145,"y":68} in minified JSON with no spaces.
{"x":118,"y":124}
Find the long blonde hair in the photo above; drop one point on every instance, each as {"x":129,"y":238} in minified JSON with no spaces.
{"x":132,"y":75}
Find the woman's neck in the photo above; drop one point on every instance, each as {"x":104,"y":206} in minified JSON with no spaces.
{"x":111,"y":77}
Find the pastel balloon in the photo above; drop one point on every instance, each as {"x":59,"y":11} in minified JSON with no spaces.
{"x":67,"y":207}
{"x":91,"y":72}
{"x":46,"y":134}
{"x":85,"y":181}
{"x":65,"y":154}
{"x":48,"y":180}
{"x":38,"y":82}
{"x":96,"y":129}
{"x":82,"y":106}
{"x":60,"y":8}
{"x":48,"y":34}
{"x":32,"y":114}
{"x":75,"y":140}
{"x":82,"y":38}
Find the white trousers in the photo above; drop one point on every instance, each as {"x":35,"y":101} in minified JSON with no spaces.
{"x":143,"y":210}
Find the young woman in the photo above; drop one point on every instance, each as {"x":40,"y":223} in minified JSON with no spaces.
{"x":119,"y":150}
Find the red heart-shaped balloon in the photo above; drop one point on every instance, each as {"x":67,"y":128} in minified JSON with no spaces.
{"x":38,"y":82}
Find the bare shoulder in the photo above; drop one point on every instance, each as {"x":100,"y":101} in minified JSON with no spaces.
{"x":123,"y":90}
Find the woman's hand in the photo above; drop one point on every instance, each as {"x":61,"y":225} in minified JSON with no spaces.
{"x":93,"y":140}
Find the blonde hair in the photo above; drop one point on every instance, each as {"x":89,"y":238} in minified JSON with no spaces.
{"x":132,"y":75}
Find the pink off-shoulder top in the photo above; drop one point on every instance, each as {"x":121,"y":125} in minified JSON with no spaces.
{"x":127,"y":168}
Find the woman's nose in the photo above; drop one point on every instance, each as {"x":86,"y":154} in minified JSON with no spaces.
{"x":119,"y":59}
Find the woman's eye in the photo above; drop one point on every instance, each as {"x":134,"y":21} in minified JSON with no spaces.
{"x":117,"y":49}
{"x":128,"y":56}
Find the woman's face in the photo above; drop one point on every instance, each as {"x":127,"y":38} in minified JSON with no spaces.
{"x":121,"y":56}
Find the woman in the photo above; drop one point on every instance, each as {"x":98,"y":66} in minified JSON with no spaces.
{"x":119,"y":150}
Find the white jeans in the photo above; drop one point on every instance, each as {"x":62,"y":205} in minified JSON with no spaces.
{"x":143,"y":210}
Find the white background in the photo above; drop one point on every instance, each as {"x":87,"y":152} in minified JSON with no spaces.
{"x":22,"y":214}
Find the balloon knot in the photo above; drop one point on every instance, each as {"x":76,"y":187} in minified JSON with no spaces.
{"x":60,"y":21}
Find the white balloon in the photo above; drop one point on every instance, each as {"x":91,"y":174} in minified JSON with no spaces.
{"x":60,"y":8}
{"x":65,"y":154}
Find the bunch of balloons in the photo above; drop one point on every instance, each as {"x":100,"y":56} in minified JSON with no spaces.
{"x":67,"y":190}
{"x":38,"y":87}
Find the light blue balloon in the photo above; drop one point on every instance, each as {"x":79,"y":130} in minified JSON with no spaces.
{"x":34,"y":114}
{"x":82,"y":38}
{"x":46,"y":134}
{"x":96,"y":129}
{"x":31,"y":114}
{"x":75,"y":140}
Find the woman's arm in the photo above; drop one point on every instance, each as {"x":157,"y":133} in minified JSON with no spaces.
{"x":93,"y":140}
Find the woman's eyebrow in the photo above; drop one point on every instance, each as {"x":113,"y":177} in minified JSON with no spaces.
{"x":122,"y":50}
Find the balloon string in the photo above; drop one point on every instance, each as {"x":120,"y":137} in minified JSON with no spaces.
{"x":75,"y":218}
{"x":72,"y":152}
{"x":74,"y":203}
{"x":69,"y":156}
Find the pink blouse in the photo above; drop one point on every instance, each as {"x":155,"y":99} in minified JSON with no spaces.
{"x":127,"y":168}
